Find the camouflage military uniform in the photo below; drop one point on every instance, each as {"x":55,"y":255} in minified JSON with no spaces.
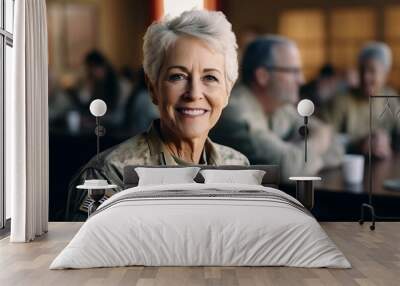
{"x":349,"y":114}
{"x":143,"y":149}
{"x":271,"y":139}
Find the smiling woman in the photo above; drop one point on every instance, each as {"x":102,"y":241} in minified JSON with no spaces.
{"x":191,"y":92}
{"x":191,"y":65}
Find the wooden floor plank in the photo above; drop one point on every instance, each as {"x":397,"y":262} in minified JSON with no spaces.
{"x":374,"y":255}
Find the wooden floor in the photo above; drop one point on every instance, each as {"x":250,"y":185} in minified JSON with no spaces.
{"x":375,"y":257}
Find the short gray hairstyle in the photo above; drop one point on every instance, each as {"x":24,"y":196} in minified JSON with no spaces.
{"x":261,"y":53}
{"x":209,"y":26}
{"x":378,"y":51}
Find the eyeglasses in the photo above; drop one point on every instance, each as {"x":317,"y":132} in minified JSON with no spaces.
{"x":293,"y":70}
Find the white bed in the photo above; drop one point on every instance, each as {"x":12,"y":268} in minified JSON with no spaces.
{"x":201,"y":224}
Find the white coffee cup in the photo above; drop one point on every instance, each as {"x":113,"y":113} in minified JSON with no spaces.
{"x":353,"y":168}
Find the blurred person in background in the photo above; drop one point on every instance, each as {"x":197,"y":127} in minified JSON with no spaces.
{"x":100,"y":82}
{"x":64,"y":112}
{"x":191,"y":65}
{"x":351,"y":78}
{"x":323,"y":88}
{"x":139,"y":111}
{"x":261,"y":119}
{"x":59,"y":103}
{"x":126,"y":81}
{"x":349,"y":112}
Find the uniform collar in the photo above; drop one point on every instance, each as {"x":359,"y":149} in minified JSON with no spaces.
{"x":158,"y":149}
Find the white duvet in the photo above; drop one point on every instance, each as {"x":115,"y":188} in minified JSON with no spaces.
{"x":201,"y":224}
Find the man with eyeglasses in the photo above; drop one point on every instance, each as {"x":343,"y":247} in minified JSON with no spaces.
{"x":261,"y":119}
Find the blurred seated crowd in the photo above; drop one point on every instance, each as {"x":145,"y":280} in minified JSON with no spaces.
{"x":261,"y":120}
{"x":129,"y":107}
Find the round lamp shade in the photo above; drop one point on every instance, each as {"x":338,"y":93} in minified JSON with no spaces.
{"x":305,"y":107}
{"x":98,"y":107}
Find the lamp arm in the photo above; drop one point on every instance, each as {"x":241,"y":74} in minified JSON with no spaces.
{"x":98,"y":137}
{"x":305,"y":138}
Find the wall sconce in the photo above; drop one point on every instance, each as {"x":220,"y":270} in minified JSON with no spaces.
{"x":98,"y":108}
{"x":305,"y":108}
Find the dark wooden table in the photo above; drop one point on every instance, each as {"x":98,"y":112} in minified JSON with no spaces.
{"x":337,"y":201}
{"x":333,"y":181}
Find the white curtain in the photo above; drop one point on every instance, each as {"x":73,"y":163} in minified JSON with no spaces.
{"x":27,"y":173}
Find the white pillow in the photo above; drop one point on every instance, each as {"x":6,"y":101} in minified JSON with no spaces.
{"x":162,"y":176}
{"x":248,"y":177}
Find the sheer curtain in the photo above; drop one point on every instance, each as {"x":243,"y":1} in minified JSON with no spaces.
{"x":27,"y":172}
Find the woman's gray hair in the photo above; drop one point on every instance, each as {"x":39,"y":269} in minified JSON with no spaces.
{"x":209,"y":26}
{"x":376,"y":50}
